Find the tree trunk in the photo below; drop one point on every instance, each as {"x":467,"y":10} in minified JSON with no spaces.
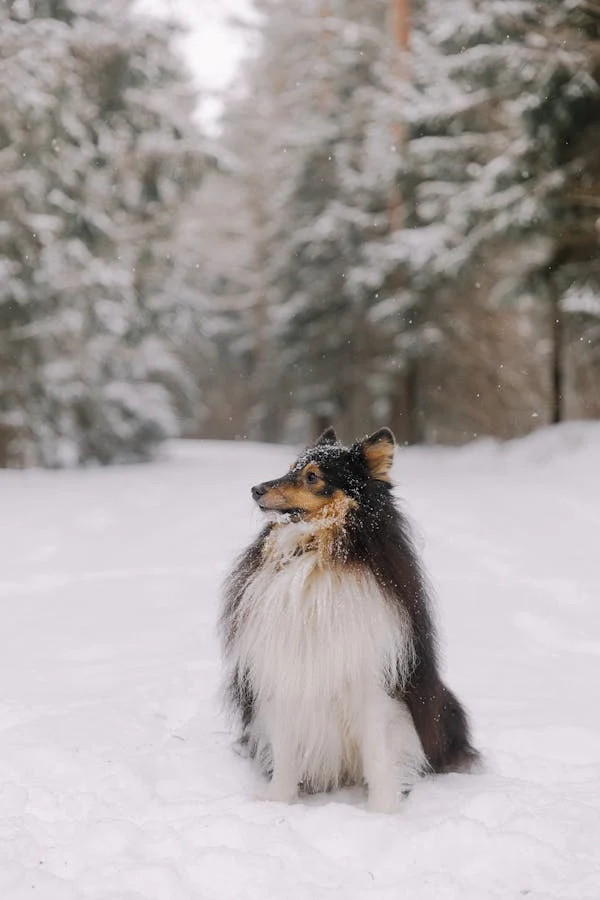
{"x":404,"y":415}
{"x":400,"y":23}
{"x":401,"y":10}
{"x":557,"y":364}
{"x":404,"y":405}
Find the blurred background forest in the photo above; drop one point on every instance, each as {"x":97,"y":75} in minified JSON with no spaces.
{"x":395,"y":220}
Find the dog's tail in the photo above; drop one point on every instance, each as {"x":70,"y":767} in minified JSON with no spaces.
{"x":443,"y":727}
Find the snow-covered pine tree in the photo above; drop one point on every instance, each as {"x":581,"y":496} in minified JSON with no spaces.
{"x":314,"y":139}
{"x":96,"y":152}
{"x":568,"y":116}
{"x":348,"y":311}
{"x":495,"y":84}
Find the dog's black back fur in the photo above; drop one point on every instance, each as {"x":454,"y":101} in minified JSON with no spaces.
{"x":379,"y":539}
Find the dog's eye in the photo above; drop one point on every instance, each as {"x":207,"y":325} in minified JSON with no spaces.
{"x":312,"y":477}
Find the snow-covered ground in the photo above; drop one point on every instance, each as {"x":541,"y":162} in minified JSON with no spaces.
{"x":117,"y":781}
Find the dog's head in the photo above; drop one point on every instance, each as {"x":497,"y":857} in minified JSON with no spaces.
{"x":329,"y":475}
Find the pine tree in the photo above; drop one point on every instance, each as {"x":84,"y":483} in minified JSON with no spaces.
{"x":493,"y":86}
{"x":568,"y":117}
{"x":423,"y":246}
{"x":319,"y":109}
{"x":97,"y":150}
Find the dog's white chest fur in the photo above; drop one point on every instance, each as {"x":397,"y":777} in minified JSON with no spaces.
{"x":320,"y":643}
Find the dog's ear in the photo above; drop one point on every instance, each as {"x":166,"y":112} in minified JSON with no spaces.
{"x":328,"y":437}
{"x":378,"y":451}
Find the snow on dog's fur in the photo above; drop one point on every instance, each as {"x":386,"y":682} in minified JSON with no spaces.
{"x":327,"y":636}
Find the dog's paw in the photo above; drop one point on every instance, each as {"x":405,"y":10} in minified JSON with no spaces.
{"x":388,"y":802}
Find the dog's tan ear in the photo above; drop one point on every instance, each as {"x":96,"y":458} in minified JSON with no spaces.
{"x":328,"y":437}
{"x":378,"y":451}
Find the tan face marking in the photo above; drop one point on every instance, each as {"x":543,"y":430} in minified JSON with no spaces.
{"x":303,"y":491}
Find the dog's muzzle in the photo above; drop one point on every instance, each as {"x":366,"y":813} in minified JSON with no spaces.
{"x":258,"y":491}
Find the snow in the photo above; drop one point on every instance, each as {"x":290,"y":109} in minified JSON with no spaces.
{"x":581,"y":299}
{"x":117,"y":778}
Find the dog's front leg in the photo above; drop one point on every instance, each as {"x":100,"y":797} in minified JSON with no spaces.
{"x":391,"y":752}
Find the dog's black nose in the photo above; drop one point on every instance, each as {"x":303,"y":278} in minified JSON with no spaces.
{"x":258,"y":490}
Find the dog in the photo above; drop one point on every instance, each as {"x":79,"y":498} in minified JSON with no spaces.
{"x":327,"y":636}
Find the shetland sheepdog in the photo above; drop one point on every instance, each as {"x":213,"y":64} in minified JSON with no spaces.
{"x":327,"y":635}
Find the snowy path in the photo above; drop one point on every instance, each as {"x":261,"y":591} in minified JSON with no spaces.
{"x":117,"y":781}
